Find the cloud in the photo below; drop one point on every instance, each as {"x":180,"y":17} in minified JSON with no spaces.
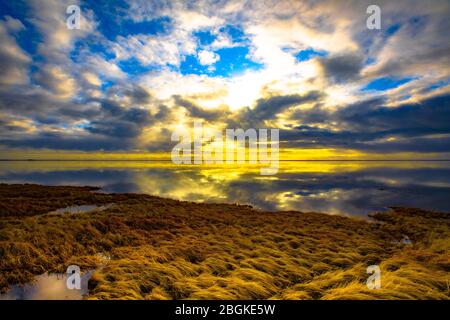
{"x":207,"y":58}
{"x":92,"y":79}
{"x":13,"y":25}
{"x":419,"y":47}
{"x":14,"y":62}
{"x":138,"y":95}
{"x":150,"y":50}
{"x":128,"y":87}
{"x":49,"y":17}
{"x":103,"y":67}
{"x":62,"y":141}
{"x":268,"y":108}
{"x":371,"y":126}
{"x":196,"y":111}
{"x":57,"y":80}
{"x":342,"y":67}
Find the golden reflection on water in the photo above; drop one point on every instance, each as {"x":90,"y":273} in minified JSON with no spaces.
{"x":284,"y":166}
{"x":336,"y":187}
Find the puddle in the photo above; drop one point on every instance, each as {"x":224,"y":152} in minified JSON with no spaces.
{"x":48,"y":287}
{"x":81,"y":209}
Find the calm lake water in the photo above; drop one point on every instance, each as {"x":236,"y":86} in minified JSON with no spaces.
{"x":337,"y":187}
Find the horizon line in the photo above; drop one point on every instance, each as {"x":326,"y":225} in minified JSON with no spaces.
{"x":167,"y":160}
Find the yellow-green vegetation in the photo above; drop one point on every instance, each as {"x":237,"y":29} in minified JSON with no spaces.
{"x":168,"y":249}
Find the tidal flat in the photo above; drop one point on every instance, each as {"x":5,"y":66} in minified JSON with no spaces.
{"x":160,"y":248}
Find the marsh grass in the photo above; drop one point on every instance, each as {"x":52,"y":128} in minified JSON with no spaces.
{"x":168,"y":249}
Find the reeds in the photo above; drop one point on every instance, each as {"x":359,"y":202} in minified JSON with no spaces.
{"x":167,"y":249}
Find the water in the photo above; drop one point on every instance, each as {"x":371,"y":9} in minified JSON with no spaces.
{"x":48,"y":287}
{"x":339,"y":187}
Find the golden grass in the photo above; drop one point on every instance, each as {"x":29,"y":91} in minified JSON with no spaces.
{"x":167,"y":249}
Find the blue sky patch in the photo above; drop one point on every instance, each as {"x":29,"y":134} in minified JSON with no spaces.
{"x":387,"y":83}
{"x":392,"y":29}
{"x":236,"y":34}
{"x":309,"y":53}
{"x":232,"y":61}
{"x":190,"y":65}
{"x":114,"y":22}
{"x":29,"y":38}
{"x":205,"y":38}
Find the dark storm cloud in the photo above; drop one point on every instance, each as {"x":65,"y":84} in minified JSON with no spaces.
{"x":120,"y":122}
{"x":429,"y":116}
{"x":342,"y":68}
{"x":6,"y":127}
{"x":136,"y":94}
{"x":268,"y":108}
{"x":423,"y":127}
{"x":41,"y":106}
{"x":101,"y":124}
{"x":197,"y":111}
{"x":416,"y":144}
{"x":109,"y":126}
{"x":163,"y":113}
{"x":68,"y":142}
{"x":139,"y":95}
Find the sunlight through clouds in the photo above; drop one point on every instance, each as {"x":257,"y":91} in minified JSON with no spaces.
{"x":136,"y":70}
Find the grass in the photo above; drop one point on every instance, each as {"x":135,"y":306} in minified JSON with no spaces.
{"x":168,"y":249}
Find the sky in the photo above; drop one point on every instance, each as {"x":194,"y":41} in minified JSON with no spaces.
{"x":136,"y":71}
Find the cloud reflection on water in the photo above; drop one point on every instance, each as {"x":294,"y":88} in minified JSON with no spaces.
{"x":345,"y":187}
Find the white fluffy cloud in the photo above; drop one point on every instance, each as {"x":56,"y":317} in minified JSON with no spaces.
{"x":207,"y":58}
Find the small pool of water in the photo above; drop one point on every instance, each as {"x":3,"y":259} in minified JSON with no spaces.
{"x":48,"y":287}
{"x":81,"y":209}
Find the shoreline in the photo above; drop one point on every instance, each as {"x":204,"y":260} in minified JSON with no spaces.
{"x":169,"y":249}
